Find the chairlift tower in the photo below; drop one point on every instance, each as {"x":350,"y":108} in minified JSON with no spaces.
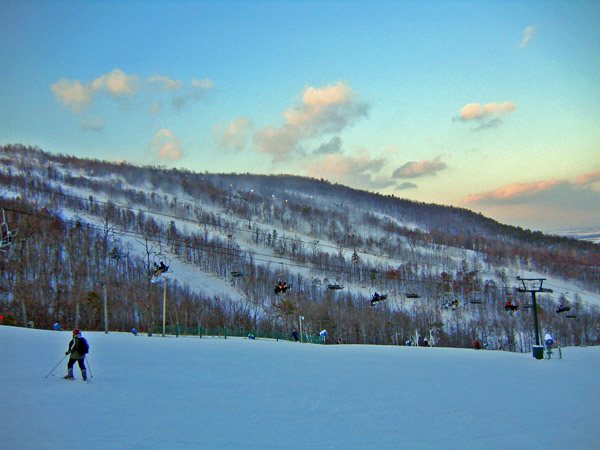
{"x":534,"y":285}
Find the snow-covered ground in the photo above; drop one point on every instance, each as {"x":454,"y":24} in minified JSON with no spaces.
{"x":210,"y":393}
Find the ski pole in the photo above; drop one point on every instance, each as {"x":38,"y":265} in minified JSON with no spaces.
{"x":57,"y":364}
{"x":89,"y":367}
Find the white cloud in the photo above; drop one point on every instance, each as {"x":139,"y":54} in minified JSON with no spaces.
{"x":72,"y":93}
{"x":234,"y":136}
{"x":321,"y":111}
{"x":528,"y":35}
{"x":206,"y":83}
{"x":166,"y":83}
{"x":360,"y":171}
{"x":116,"y":83}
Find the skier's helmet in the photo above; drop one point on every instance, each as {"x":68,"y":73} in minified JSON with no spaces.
{"x":76,"y":332}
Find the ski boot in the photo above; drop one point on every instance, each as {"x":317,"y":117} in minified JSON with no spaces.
{"x":69,"y":376}
{"x":84,"y":374}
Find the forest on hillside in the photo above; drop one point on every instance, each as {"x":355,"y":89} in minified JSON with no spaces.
{"x":72,"y":260}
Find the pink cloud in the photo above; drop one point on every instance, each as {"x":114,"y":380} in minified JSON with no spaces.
{"x":511,"y":191}
{"x":475,"y":111}
{"x":166,"y":145}
{"x":588,"y":178}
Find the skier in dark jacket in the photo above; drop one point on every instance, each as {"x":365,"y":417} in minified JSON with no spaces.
{"x":78,"y":348}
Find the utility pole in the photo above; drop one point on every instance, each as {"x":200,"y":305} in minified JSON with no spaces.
{"x":534,"y":285}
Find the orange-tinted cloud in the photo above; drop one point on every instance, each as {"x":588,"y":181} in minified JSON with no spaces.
{"x":588,"y":178}
{"x":166,"y":146}
{"x":577,"y":196}
{"x":475,"y":111}
{"x":321,"y":111}
{"x":512,"y":191}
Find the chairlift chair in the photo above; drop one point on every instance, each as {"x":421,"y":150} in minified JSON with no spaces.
{"x":476,"y":297}
{"x":161,"y":265}
{"x":450,"y":301}
{"x":115,"y":254}
{"x":7,"y":233}
{"x":376,"y":298}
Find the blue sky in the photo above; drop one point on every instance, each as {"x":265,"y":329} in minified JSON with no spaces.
{"x":492,"y":106}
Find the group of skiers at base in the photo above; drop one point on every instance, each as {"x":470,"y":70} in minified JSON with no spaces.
{"x":78,"y":348}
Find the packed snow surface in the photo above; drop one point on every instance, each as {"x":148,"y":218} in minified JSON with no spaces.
{"x":235,"y":393}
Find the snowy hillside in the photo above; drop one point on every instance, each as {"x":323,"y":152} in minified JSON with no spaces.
{"x":153,"y":392}
{"x":229,"y":239}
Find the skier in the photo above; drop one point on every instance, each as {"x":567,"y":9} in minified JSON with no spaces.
{"x":548,"y":341}
{"x":476,"y":344}
{"x":78,"y":348}
{"x":295,"y":335}
{"x":160,"y":269}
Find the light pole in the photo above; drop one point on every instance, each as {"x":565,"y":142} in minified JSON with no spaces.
{"x":160,"y":278}
{"x":300,"y":319}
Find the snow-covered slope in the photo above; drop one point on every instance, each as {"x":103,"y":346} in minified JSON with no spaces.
{"x":189,"y":393}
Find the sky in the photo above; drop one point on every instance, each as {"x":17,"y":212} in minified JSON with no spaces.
{"x":490,"y":106}
{"x":236,"y":393}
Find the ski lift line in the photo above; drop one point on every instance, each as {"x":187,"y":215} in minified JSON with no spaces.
{"x":217,"y":249}
{"x":227,"y":251}
{"x":221,"y":250}
{"x":265,"y":258}
{"x":212,"y":225}
{"x":198,"y":222}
